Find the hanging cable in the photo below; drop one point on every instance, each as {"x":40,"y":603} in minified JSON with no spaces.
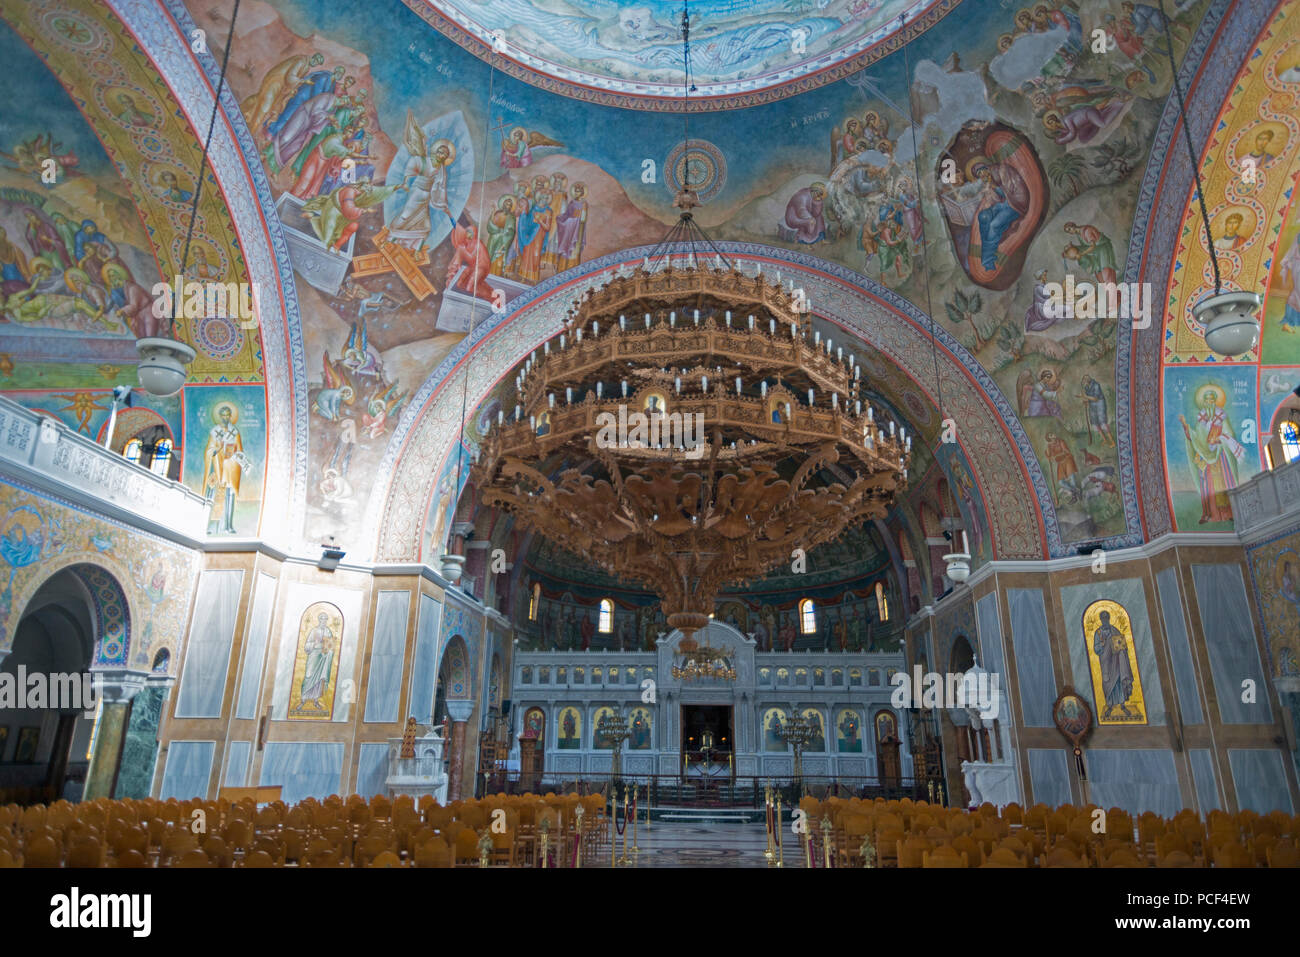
{"x":207,"y":143}
{"x":1191,"y":150}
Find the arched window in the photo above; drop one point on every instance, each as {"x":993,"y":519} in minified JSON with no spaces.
{"x":162,"y":457}
{"x":132,"y":450}
{"x":606,"y":616}
{"x":1290,"y":441}
{"x":807,"y":617}
{"x":534,"y":601}
{"x":882,"y":603}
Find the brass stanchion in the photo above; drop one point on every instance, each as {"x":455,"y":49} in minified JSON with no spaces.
{"x":613,"y":836}
{"x":577,"y":816}
{"x":635,"y":848}
{"x":624,"y":860}
{"x":780,"y":836}
{"x":826,"y":839}
{"x":768,"y":854}
{"x":546,"y":839}
{"x":484,"y":847}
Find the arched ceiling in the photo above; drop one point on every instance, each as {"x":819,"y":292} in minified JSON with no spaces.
{"x":630,"y":54}
{"x":377,"y":469}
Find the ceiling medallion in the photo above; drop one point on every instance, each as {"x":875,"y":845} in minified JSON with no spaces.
{"x":689,"y":430}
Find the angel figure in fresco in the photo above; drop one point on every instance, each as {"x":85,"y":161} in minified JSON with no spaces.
{"x":424,"y":184}
{"x":359,"y":357}
{"x":320,"y":659}
{"x":338,"y":390}
{"x":335,"y":216}
{"x":1038,"y":399}
{"x":1214,"y":453}
{"x":517,"y":147}
{"x":381,"y":409}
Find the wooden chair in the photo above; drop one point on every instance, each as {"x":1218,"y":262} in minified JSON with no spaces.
{"x":466,"y":848}
{"x":1063,"y":857}
{"x":1231,"y":854}
{"x":433,"y":853}
{"x":258,"y":859}
{"x":1002,"y":857}
{"x":1283,"y":854}
{"x":42,"y":852}
{"x":386,"y":859}
{"x":86,"y":853}
{"x":132,"y":859}
{"x":1013,"y":813}
{"x":1176,"y":859}
{"x":911,"y":852}
{"x":967,"y":845}
{"x":193,"y":858}
{"x":1120,"y":856}
{"x":944,"y":856}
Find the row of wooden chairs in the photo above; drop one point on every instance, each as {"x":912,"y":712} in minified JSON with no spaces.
{"x":906,"y":833}
{"x":334,"y":833}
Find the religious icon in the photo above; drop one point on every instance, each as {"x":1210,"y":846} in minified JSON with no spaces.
{"x":1072,"y":716}
{"x":773,"y":729}
{"x":534,"y":723}
{"x":311,"y":692}
{"x":28,"y":738}
{"x":849,"y":739}
{"x":640,"y":726}
{"x":224,"y":463}
{"x":600,"y":740}
{"x":655,"y":404}
{"x":817,"y":740}
{"x":1112,"y":658}
{"x":1213,"y":452}
{"x":544,"y":423}
{"x":886,"y":726}
{"x":570,"y":730}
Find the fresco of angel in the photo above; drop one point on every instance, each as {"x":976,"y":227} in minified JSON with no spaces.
{"x":517,"y":147}
{"x":381,"y":410}
{"x":338,"y":390}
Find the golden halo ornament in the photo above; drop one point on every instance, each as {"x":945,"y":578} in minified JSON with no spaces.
{"x":443,"y":141}
{"x":226,"y":404}
{"x":1206,"y":391}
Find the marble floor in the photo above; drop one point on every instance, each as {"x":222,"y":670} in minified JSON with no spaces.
{"x":698,"y":844}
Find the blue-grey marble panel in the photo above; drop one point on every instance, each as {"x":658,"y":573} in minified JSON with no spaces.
{"x":1035,"y":679}
{"x":990,"y":635}
{"x":1205,"y":780}
{"x":259,"y":629}
{"x":1180,"y":649}
{"x":1049,"y":776}
{"x":372,"y":769}
{"x":236,"y":775}
{"x":303,"y":769}
{"x":387,"y":655}
{"x":424,"y":667}
{"x":1134,"y":779}
{"x":207,"y":652}
{"x":1230,"y":639}
{"x":1131,"y":594}
{"x":1260,"y":779}
{"x":188,"y":770}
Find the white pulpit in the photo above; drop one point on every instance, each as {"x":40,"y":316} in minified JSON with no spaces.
{"x":422,"y":774}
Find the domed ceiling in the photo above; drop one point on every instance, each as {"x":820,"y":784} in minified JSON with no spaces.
{"x":860,"y":176}
{"x":629,"y":53}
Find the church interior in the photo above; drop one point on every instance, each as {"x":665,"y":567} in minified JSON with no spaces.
{"x":678,"y":433}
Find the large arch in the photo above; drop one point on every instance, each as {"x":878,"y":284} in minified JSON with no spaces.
{"x":1023,"y":523}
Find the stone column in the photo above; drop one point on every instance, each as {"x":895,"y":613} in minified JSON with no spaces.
{"x":458,"y":713}
{"x":116,"y":689}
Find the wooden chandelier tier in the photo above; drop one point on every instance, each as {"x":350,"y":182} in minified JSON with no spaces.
{"x":685,"y":512}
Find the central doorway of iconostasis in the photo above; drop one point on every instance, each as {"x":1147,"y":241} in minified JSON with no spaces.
{"x":708,"y":738}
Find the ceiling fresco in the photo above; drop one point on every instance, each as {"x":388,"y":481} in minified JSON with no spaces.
{"x":423,"y":210}
{"x":743,"y":52}
{"x":1217,"y":413}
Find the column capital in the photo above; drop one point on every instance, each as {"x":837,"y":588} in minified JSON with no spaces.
{"x":460,"y":710}
{"x":119,"y":686}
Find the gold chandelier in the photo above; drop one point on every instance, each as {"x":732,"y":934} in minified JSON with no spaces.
{"x":689,"y":429}
{"x":702,"y":662}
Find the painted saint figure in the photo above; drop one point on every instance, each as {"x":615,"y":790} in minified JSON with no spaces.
{"x":1111,"y":648}
{"x":223,"y":467}
{"x":1214,"y":452}
{"x":317,"y":668}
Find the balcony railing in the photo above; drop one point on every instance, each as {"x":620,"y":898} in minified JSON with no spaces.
{"x":40,"y":449}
